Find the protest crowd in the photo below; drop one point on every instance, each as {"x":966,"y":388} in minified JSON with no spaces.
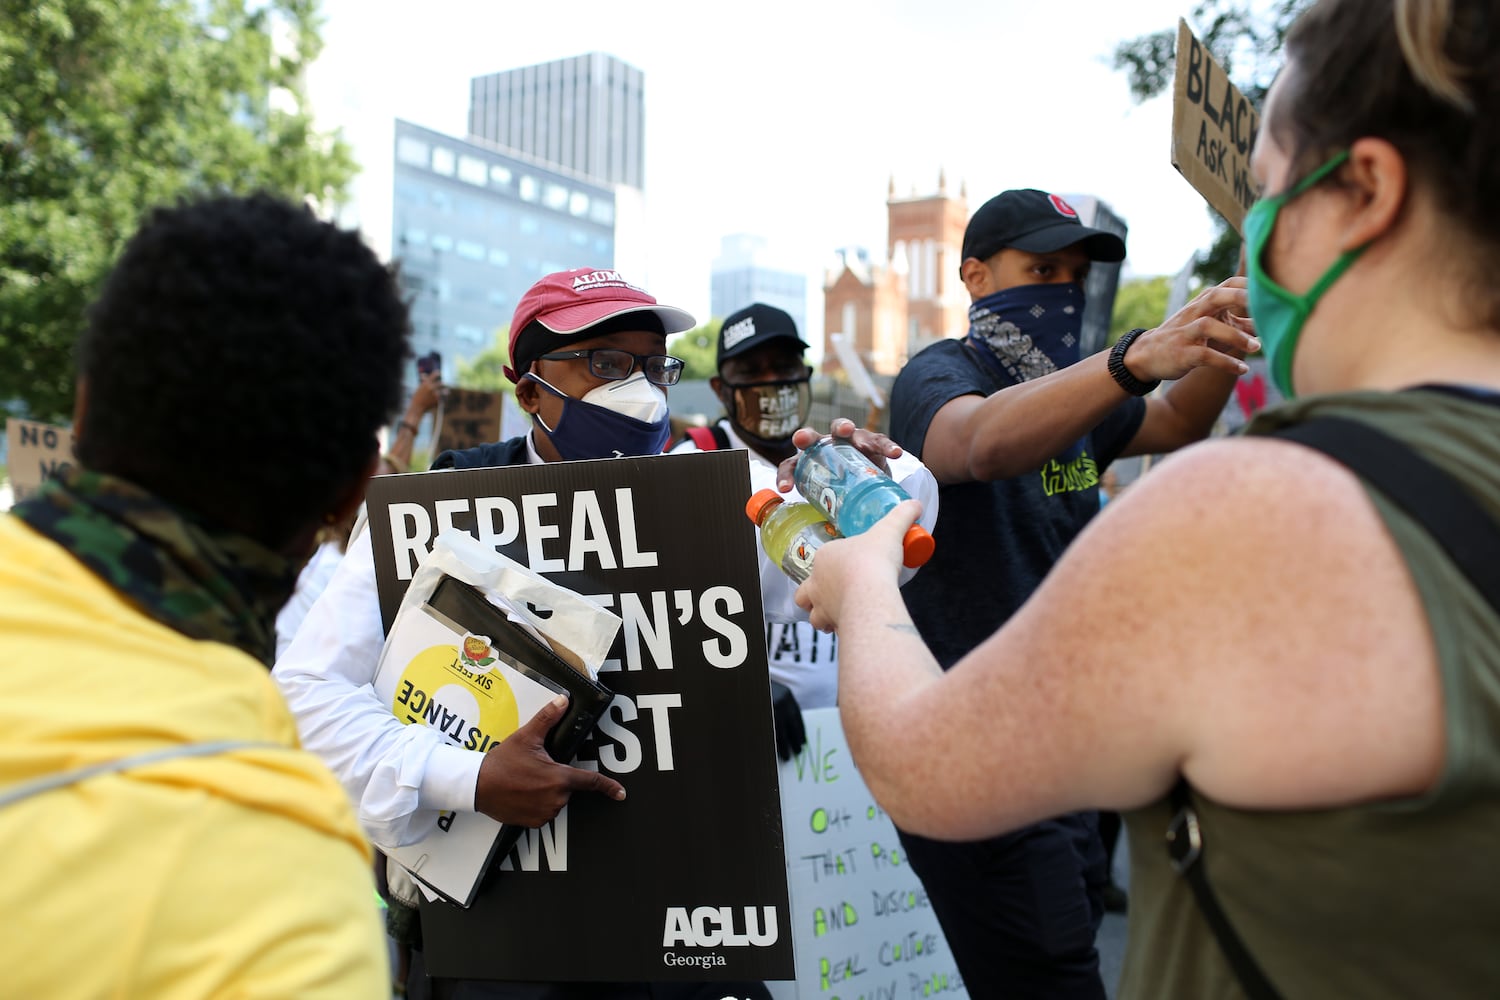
{"x":1275,"y":658}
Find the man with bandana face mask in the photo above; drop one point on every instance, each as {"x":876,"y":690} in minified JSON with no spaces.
{"x":764,"y":383}
{"x":589,"y":360}
{"x":1018,"y":428}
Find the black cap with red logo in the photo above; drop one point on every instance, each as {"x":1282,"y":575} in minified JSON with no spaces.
{"x":1037,"y":222}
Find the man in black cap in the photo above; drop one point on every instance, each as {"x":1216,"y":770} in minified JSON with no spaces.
{"x":764,"y":383}
{"x":1017,"y":429}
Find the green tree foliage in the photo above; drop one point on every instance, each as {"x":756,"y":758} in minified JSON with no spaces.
{"x":1246,"y":38}
{"x":485,"y":371}
{"x":1140,"y":303}
{"x":111,"y":107}
{"x":698,"y":348}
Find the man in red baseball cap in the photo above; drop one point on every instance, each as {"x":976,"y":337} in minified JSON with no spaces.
{"x":589,"y":359}
{"x":588,"y":355}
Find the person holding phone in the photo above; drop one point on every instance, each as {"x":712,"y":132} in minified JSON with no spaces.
{"x":428,"y":394}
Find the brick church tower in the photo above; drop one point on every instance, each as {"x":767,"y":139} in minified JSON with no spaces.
{"x":893,"y":308}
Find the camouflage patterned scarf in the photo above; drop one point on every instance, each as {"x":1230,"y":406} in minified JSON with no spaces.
{"x":205,"y":582}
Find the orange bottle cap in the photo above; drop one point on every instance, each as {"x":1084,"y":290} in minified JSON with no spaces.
{"x":916,"y":547}
{"x":761,"y":504}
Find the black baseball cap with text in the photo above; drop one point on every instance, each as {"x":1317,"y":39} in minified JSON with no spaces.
{"x":1037,"y":222}
{"x":756,"y":324}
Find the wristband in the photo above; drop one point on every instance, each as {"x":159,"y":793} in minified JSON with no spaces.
{"x":1121,"y":374}
{"x":408,"y":426}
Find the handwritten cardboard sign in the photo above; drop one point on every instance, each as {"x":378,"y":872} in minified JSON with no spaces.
{"x":1213,"y":131}
{"x":862,"y":925}
{"x":37,"y":452}
{"x":470,"y":418}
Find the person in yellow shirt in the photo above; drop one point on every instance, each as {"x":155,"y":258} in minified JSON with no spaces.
{"x":166,"y":834}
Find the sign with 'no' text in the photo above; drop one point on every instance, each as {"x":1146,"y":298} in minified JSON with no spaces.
{"x":1213,"y":131}
{"x":37,"y":453}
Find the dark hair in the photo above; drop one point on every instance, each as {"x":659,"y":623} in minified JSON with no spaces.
{"x":239,"y":360}
{"x":1425,"y":76}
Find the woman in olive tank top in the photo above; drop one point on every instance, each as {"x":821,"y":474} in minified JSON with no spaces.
{"x":1255,"y":624}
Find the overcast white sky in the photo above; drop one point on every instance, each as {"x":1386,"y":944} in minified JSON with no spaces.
{"x":787,"y":119}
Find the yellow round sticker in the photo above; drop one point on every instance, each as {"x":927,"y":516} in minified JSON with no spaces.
{"x":474,"y":710}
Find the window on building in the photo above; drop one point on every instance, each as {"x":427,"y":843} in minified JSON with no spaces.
{"x":555,"y":196}
{"x":499,"y":257}
{"x":528,"y":188}
{"x":578,"y":204}
{"x":472,"y":334}
{"x":442,"y":241}
{"x":469,"y":250}
{"x":443,"y":161}
{"x":415,"y":237}
{"x":602,"y":212}
{"x":471,"y":170}
{"x":412,"y":151}
{"x":499,"y":177}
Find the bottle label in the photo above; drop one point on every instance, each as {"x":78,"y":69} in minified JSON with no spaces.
{"x":829,"y":474}
{"x":797,"y":561}
{"x":828,"y":499}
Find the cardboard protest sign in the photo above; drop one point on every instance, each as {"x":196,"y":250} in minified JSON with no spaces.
{"x":1213,"y":131}
{"x":37,"y":452}
{"x":470,"y":418}
{"x":861,"y":920}
{"x":686,"y":879}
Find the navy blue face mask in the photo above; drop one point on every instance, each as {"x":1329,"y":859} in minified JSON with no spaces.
{"x":1028,"y":331}
{"x":588,"y":430}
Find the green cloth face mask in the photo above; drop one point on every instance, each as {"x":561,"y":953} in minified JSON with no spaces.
{"x":1279,"y":315}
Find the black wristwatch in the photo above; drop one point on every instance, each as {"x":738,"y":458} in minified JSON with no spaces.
{"x":1121,"y":374}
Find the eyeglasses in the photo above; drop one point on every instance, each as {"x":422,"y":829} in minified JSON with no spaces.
{"x":613,"y":364}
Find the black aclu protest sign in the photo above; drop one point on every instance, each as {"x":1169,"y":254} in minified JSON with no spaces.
{"x":686,"y":879}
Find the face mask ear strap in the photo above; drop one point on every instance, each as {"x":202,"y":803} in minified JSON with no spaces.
{"x":1313,"y":179}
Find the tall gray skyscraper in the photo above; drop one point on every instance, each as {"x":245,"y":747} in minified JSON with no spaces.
{"x":585,"y":113}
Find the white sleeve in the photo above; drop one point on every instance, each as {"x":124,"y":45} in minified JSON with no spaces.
{"x":921,"y":484}
{"x":399,"y":776}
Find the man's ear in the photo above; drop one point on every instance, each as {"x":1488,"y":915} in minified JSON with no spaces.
{"x":528,"y":396}
{"x":1376,"y":175}
{"x":975,"y":277}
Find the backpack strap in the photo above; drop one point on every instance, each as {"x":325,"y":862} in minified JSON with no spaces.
{"x":709,"y":438}
{"x":1444,"y":509}
{"x":1185,"y":851}
{"x":703,"y":437}
{"x":1460,"y":526}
